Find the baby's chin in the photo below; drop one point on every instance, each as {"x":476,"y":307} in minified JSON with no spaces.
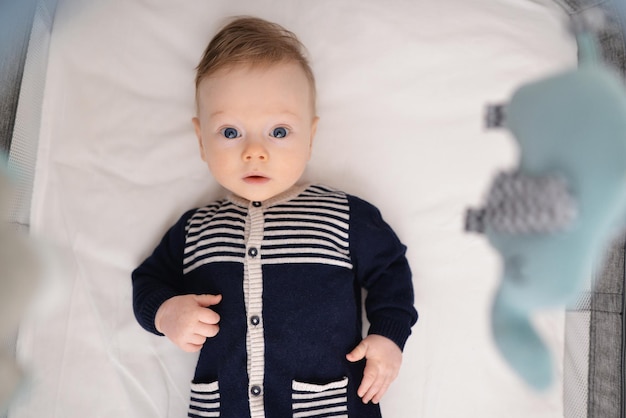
{"x":259,"y":197}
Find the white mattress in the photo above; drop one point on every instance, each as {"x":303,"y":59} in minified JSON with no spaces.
{"x":402,"y":89}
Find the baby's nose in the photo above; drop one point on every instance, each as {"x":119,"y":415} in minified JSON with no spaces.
{"x":255,"y":151}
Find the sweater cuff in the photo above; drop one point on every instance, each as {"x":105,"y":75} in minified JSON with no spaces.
{"x":392,"y":329}
{"x":151,"y":306}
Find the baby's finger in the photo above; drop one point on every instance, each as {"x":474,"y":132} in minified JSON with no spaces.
{"x":208,"y":300}
{"x":375,"y":391}
{"x":191,"y":348}
{"x":358,"y":353}
{"x":208,"y":316}
{"x":196,"y":339}
{"x":207,"y":330}
{"x":381,"y":392}
{"x":368,"y":380}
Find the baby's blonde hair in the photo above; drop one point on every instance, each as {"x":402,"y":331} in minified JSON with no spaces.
{"x":255,"y":42}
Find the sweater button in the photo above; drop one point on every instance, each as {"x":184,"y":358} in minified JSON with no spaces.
{"x":255,"y":320}
{"x":256,"y":204}
{"x":253,"y":252}
{"x":256,"y":390}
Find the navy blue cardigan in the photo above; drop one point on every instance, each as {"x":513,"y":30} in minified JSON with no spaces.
{"x":290,"y":271}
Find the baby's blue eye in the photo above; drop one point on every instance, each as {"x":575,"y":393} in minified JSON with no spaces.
{"x":279,"y":132}
{"x":230,"y":133}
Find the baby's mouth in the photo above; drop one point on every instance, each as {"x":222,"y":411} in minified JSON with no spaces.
{"x":255,"y":179}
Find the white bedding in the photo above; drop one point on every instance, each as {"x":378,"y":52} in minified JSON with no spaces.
{"x":402,"y":87}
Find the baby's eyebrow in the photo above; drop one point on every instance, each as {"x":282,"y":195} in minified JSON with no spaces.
{"x":287,"y":115}
{"x":279,"y":113}
{"x":290,"y":113}
{"x":216,"y":113}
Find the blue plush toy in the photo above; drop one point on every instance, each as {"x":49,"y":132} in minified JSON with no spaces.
{"x":553,"y":216}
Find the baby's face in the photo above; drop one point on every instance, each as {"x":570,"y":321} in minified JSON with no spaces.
{"x":255,"y":127}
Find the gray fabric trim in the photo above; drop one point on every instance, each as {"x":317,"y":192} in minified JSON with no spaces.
{"x":25,"y":26}
{"x":606,"y":333}
{"x":16,"y":18}
{"x":576,"y":364}
{"x":25,"y":138}
{"x":602,"y":347}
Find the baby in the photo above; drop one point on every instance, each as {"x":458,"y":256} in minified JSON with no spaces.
{"x":266,"y":283}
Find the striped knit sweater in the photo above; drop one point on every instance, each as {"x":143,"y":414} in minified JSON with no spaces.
{"x":290,"y":271}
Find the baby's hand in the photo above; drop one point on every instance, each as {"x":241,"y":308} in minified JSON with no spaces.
{"x":186,"y":320}
{"x":384,"y":358}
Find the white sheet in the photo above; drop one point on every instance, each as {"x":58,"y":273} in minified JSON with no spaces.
{"x":402,"y":88}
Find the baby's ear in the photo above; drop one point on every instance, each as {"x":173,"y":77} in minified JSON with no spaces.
{"x":196,"y":125}
{"x":314,"y":128}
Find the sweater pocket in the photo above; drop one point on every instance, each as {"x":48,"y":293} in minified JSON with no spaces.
{"x":313,"y":400}
{"x":205,"y":400}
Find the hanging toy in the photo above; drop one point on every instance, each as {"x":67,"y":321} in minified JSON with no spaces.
{"x":554,"y":214}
